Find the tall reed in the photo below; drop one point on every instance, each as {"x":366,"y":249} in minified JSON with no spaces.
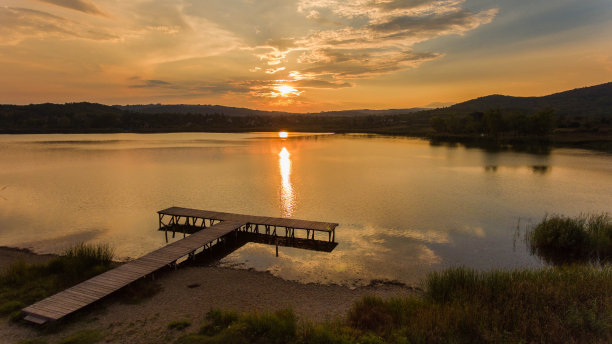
{"x":560,"y":239}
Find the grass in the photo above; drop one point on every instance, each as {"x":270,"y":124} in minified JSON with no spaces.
{"x":23,"y":284}
{"x":33,"y":341}
{"x":83,"y":337}
{"x":178,"y":324}
{"x":570,"y":304}
{"x":562,"y":240}
{"x":229,"y":327}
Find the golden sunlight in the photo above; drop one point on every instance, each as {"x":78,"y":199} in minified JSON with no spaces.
{"x":286,"y":90}
{"x":286,"y":191}
{"x":283,"y":134}
{"x":284,"y":153}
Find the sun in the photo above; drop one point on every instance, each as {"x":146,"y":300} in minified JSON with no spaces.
{"x":283,"y":134}
{"x":286,"y":90}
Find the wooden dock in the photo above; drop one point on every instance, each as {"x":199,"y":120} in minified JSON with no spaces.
{"x":202,"y":236}
{"x":187,"y":220}
{"x":72,"y":299}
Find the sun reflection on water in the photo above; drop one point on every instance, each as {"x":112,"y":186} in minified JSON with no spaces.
{"x":286,"y":191}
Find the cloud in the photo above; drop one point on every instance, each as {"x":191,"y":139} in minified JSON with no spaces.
{"x":151,"y":84}
{"x":373,"y":37}
{"x":195,"y":89}
{"x":18,"y":24}
{"x":241,"y":48}
{"x":77,"y":5}
{"x":318,"y":83}
{"x":343,"y":64}
{"x":433,"y":25}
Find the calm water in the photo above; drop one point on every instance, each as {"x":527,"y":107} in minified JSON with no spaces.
{"x":404,"y":207}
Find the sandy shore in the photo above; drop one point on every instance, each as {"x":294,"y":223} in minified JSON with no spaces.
{"x":188,"y":293}
{"x":9,"y":255}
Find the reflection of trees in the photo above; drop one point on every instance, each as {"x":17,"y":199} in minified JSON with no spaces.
{"x":540,"y":169}
{"x":491,"y":168}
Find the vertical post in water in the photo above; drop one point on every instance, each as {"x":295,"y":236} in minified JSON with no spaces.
{"x":277,"y":247}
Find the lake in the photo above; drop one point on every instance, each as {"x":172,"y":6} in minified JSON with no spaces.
{"x":405,"y":207}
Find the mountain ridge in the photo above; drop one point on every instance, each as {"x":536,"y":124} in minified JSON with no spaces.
{"x":591,"y":100}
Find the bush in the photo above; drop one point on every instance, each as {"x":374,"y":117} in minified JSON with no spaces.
{"x":228,"y":327}
{"x":178,"y":324}
{"x":83,"y":337}
{"x":560,"y":240}
{"x":217,"y":321}
{"x":569,"y":304}
{"x":23,"y":284}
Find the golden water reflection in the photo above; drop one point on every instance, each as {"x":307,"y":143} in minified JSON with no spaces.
{"x":286,"y":192}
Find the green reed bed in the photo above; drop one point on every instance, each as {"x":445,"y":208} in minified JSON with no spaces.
{"x":560,"y":239}
{"x":570,"y":304}
{"x":23,"y":284}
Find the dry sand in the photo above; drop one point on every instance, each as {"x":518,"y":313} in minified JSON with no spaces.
{"x":188,"y":293}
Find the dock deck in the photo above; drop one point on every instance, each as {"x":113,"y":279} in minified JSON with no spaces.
{"x":196,"y":218}
{"x":202,"y":236}
{"x":72,"y":299}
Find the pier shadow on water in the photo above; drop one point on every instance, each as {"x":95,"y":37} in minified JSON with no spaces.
{"x":235,"y":241}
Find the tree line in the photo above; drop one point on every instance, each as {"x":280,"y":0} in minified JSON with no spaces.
{"x":91,"y":117}
{"x":496,"y":122}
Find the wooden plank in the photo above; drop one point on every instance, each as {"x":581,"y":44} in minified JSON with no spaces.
{"x":37,"y":310}
{"x":79,"y":296}
{"x":44,"y":313}
{"x":56,"y":306}
{"x":63,"y":303}
{"x":88,"y":291}
{"x":36,"y":319}
{"x":273,"y":221}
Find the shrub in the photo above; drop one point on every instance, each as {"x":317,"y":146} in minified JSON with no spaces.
{"x":279,"y":327}
{"x":561,"y":240}
{"x":23,"y":284}
{"x":83,"y":337}
{"x":178,"y":324}
{"x":568,"y":304}
{"x":229,"y":327}
{"x":216,"y":321}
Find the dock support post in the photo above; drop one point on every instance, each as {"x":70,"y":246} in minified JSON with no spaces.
{"x":276,"y":247}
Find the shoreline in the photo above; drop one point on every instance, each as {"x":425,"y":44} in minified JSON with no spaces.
{"x":532,"y":144}
{"x":188,"y":293}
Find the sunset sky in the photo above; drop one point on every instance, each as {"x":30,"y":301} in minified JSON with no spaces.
{"x":299,"y":55}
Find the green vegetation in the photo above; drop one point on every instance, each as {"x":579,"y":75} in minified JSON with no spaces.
{"x":560,"y":240}
{"x":460,"y":305}
{"x":83,"y":337}
{"x":228,"y":327}
{"x":22,"y":284}
{"x":495,"y":123}
{"x":178,"y":324}
{"x":33,"y":341}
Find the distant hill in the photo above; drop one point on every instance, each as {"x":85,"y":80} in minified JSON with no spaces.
{"x":367,"y":112}
{"x":586,"y":101}
{"x":583,"y":110}
{"x":235,"y":111}
{"x":197,"y":109}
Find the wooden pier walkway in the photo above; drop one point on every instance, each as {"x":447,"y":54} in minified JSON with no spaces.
{"x":72,"y":299}
{"x":202,"y":236}
{"x":195,"y":219}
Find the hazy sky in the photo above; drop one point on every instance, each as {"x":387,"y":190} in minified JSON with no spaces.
{"x":299,"y":55}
